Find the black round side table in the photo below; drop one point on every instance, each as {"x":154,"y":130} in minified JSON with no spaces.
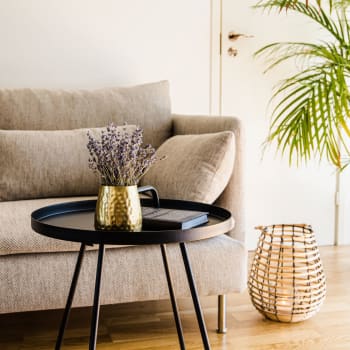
{"x":74,"y":221}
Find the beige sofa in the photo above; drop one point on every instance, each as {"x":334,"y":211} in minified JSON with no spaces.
{"x":36,"y":271}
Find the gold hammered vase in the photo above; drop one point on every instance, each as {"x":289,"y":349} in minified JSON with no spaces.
{"x":118,"y":208}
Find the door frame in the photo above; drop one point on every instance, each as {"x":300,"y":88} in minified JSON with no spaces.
{"x":215,"y":84}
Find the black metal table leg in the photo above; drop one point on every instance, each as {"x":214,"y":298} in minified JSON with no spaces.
{"x":195,"y":298}
{"x":70,"y":298}
{"x":96,"y":307}
{"x":172,"y":298}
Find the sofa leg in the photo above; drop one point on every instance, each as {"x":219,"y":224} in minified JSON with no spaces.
{"x":221,"y":314}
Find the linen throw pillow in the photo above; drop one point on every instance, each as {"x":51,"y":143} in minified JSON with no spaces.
{"x":38,"y":164}
{"x":196,"y":167}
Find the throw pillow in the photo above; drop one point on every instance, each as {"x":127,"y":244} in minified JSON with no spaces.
{"x":53,"y":163}
{"x":196,"y":167}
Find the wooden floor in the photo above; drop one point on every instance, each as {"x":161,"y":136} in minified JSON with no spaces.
{"x":150,"y":325}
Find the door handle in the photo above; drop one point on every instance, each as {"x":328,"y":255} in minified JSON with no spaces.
{"x":233,"y":36}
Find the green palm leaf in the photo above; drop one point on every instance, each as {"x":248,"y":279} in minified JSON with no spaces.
{"x":290,"y":3}
{"x":311,"y":113}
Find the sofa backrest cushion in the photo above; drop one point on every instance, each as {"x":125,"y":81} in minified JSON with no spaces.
{"x":39,"y":109}
{"x":195,"y":168}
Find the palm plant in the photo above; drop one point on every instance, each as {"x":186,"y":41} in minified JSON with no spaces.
{"x":313,"y":105}
{"x":287,"y":3}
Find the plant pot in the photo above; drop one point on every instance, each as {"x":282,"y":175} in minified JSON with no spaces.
{"x":118,"y":208}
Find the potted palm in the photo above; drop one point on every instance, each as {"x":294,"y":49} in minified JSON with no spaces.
{"x":312,"y":106}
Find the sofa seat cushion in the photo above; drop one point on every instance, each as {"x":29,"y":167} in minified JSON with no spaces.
{"x":131,"y":274}
{"x":195,"y":168}
{"x":16,"y":235}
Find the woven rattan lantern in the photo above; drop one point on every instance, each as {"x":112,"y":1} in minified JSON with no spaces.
{"x":287,"y":282}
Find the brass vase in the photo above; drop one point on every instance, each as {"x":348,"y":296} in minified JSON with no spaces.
{"x":118,"y":208}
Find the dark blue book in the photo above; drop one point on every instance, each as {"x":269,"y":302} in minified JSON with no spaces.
{"x":172,"y":219}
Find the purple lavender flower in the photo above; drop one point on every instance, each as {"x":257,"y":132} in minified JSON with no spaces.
{"x":119,"y":156}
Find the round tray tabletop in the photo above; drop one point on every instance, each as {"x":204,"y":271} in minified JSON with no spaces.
{"x":74,"y":221}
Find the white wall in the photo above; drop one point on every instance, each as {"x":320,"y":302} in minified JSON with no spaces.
{"x":275,"y":193}
{"x":96,"y":43}
{"x":344,"y":207}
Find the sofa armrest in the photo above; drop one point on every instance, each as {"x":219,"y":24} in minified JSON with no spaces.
{"x":232,"y":197}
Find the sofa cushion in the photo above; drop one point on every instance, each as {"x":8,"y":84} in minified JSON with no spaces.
{"x":36,"y":164}
{"x":16,"y":235}
{"x":146,"y":105}
{"x":42,"y":281}
{"x":50,"y":163}
{"x":196,"y":167}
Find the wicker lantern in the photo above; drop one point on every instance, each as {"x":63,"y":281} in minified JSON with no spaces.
{"x":287,"y":282}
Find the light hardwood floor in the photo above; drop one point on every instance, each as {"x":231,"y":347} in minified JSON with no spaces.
{"x":150,"y":325}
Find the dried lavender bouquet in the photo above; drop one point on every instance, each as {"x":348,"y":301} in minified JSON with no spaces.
{"x":119,"y":156}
